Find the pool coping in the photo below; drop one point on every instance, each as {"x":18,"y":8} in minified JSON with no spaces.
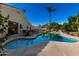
{"x":14,"y":38}
{"x":34,"y":36}
{"x":11,"y":39}
{"x":69,"y":36}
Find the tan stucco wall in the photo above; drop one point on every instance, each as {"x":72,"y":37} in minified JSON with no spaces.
{"x":16,"y":15}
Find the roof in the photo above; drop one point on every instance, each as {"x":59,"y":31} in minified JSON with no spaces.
{"x":19,"y":11}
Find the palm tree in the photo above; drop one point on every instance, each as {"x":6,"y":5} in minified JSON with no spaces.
{"x":50,"y":10}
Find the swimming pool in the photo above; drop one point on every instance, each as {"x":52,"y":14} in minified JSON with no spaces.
{"x":23,"y":42}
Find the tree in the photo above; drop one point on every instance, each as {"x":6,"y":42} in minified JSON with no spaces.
{"x":77,"y":22}
{"x":65,"y":27}
{"x":3,"y":23}
{"x":55,"y":26}
{"x":50,"y":10}
{"x":71,"y":25}
{"x":72,"y":19}
{"x":3,"y":20}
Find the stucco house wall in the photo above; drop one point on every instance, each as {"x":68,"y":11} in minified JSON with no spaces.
{"x":16,"y":15}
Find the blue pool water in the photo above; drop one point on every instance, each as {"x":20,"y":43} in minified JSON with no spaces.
{"x":23,"y":42}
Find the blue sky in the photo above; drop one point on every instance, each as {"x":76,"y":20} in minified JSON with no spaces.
{"x":36,"y":13}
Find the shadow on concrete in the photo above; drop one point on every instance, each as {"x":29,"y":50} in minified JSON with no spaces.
{"x":34,"y":49}
{"x":28,"y":51}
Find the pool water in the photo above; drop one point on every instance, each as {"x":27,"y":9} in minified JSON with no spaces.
{"x":23,"y":42}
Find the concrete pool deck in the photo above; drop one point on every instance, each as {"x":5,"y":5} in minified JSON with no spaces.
{"x":16,"y":36}
{"x":60,"y":49}
{"x":68,"y":36}
{"x":47,"y":49}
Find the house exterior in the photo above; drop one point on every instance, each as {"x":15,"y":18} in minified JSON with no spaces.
{"x":15,"y":16}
